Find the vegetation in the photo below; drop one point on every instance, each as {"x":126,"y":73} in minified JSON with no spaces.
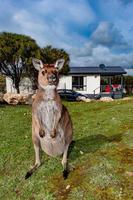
{"x":15,"y":55}
{"x":50,"y":55}
{"x":2,"y":83}
{"x":16,"y":52}
{"x":100,"y":160}
{"x":128,"y":82}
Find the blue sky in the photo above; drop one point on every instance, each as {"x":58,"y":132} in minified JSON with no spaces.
{"x":91,"y":31}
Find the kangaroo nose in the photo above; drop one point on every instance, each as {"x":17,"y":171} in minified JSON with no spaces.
{"x":53,"y":76}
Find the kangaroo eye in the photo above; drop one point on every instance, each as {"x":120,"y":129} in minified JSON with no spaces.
{"x":43,"y":73}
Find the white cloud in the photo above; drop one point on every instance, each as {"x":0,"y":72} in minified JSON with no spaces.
{"x":75,"y":11}
{"x":59,"y":23}
{"x":101,"y":54}
{"x":106,"y":45}
{"x":119,"y":12}
{"x":108,"y":35}
{"x":50,"y":22}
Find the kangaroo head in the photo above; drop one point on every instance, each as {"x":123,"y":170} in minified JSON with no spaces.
{"x":48,"y":73}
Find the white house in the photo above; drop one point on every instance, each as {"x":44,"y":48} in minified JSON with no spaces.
{"x":104,"y":80}
{"x":82,"y":83}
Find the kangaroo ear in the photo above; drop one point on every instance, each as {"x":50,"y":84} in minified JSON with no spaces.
{"x":37,"y":63}
{"x":59,"y":64}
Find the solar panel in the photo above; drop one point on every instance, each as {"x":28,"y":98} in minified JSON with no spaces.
{"x":97,"y":70}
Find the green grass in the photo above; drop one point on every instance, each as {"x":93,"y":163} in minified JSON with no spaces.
{"x":99,"y":159}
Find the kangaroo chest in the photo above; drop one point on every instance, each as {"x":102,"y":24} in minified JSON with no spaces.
{"x":47,"y":113}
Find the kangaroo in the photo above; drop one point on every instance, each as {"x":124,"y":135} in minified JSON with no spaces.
{"x":51,"y":123}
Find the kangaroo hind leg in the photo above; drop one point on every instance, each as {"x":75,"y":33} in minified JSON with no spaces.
{"x":64,"y":162}
{"x":37,"y":160}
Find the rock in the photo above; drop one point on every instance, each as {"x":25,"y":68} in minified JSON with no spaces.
{"x":26,"y":99}
{"x":1,"y":97}
{"x":106,"y":99}
{"x":13,"y":99}
{"x":84,"y":99}
{"x":87,"y":100}
{"x":67,"y":187}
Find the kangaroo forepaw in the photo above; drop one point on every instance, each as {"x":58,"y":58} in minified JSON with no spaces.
{"x":53,"y":133}
{"x":42,"y":133}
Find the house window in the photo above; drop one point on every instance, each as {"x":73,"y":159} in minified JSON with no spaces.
{"x":78,"y":83}
{"x":111,"y":83}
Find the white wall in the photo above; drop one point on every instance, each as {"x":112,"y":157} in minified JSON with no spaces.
{"x":92,"y":82}
{"x":65,"y":82}
{"x":9,"y":86}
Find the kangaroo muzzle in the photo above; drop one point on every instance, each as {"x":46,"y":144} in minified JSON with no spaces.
{"x":52,"y":79}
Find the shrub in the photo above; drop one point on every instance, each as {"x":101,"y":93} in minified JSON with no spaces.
{"x":128,"y":82}
{"x":2,"y":83}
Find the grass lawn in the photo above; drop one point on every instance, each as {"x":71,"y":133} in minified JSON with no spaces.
{"x":100,"y":160}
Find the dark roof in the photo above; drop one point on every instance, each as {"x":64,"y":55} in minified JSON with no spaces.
{"x":108,"y":70}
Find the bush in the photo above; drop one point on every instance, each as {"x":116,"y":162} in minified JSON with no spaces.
{"x":2,"y":83}
{"x":128,"y":82}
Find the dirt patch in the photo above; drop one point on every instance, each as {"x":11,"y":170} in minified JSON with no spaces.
{"x":127,"y":126}
{"x":60,"y":187}
{"x":127,"y":156}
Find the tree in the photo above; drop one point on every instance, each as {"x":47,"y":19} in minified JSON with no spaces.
{"x":50,"y":55}
{"x":16,"y":52}
{"x":2,"y":83}
{"x":128,"y":82}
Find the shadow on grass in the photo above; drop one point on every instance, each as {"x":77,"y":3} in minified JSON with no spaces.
{"x":90,"y":144}
{"x":2,"y":105}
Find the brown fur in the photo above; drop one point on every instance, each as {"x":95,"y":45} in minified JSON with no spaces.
{"x":51,"y":122}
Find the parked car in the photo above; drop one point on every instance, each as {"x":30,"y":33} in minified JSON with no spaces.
{"x":69,"y":95}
